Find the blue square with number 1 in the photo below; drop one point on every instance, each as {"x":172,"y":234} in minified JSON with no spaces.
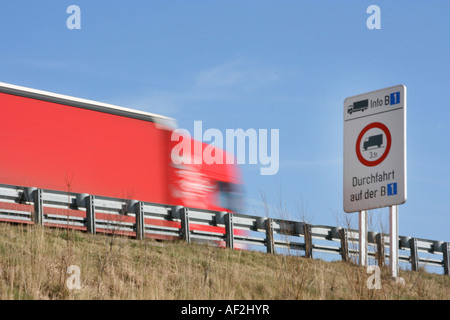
{"x":392,"y":189}
{"x":395,"y":98}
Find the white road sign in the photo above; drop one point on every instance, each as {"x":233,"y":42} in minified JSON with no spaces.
{"x":375,"y":149}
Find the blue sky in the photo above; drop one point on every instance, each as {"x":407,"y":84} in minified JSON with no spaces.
{"x":284,"y":65}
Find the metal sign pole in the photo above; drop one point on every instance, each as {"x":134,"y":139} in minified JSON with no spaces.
{"x":393,"y":240}
{"x":363,"y":238}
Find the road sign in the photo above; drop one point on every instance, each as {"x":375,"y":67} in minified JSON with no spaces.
{"x":375,"y":149}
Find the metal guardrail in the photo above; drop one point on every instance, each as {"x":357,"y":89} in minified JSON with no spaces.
{"x":96,"y":214}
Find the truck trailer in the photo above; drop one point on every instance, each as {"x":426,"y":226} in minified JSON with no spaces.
{"x":58,"y":142}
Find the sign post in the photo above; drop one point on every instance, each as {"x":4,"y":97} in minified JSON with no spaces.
{"x":393,"y":240}
{"x":363,"y":238}
{"x":375,"y":159}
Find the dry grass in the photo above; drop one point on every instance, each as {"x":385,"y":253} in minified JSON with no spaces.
{"x":34,"y":262}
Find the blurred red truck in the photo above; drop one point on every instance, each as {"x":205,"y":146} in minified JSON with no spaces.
{"x":57,"y":142}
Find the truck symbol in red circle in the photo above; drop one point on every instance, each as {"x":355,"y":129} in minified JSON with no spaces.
{"x":386,"y":131}
{"x":372,"y":141}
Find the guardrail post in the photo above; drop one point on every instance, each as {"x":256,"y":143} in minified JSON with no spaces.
{"x":38,"y":215}
{"x":379,"y":238}
{"x":446,"y":252}
{"x":414,"y":254}
{"x":185,"y":231}
{"x":87,"y":201}
{"x":229,"y":228}
{"x":90,"y":213}
{"x":308,"y":241}
{"x":269,"y":236}
{"x":140,"y":223}
{"x":343,"y":234}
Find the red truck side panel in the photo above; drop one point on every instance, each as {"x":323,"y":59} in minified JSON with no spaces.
{"x":49,"y":145}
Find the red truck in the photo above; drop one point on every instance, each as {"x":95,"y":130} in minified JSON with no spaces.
{"x":57,"y":142}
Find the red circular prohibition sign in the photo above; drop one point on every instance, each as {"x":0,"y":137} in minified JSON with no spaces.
{"x":388,"y":145}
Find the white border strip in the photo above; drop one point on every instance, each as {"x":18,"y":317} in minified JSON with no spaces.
{"x":109,"y":108}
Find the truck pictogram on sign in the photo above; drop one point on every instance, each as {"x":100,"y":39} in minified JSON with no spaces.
{"x":358,"y":106}
{"x":372,"y":141}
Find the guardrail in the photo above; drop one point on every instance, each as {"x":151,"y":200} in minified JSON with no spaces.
{"x":96,"y":214}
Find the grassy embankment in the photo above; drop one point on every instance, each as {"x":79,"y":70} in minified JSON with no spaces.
{"x":34,"y":262}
